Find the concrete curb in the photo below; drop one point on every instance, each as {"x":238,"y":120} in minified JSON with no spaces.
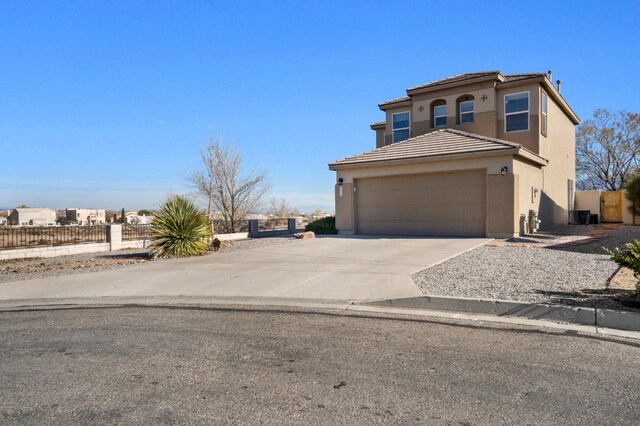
{"x":621,"y":320}
{"x":325,"y":306}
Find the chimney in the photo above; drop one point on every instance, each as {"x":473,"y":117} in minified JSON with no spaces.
{"x":558,"y":82}
{"x":549,"y":73}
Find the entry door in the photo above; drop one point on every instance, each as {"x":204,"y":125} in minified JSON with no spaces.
{"x":611,"y":206}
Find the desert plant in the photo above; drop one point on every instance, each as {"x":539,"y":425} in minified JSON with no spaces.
{"x":180,"y":229}
{"x":629,"y":258}
{"x":326,"y":225}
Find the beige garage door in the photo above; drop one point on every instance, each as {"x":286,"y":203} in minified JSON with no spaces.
{"x":443,"y":204}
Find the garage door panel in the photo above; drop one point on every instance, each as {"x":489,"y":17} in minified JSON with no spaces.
{"x":429,"y":204}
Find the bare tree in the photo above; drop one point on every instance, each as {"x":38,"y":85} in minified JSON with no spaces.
{"x":280,"y":208}
{"x":226,"y":187}
{"x":607,"y":148}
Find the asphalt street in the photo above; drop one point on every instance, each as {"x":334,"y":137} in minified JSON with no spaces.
{"x":137,"y":365}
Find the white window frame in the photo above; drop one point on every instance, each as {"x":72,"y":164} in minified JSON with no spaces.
{"x":435,"y":117}
{"x":544,"y":116}
{"x":393,"y":131}
{"x":472,"y":112}
{"x":519,"y":112}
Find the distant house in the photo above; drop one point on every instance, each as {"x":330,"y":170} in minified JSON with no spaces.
{"x":3,"y":220}
{"x":85,"y":216}
{"x":134,"y":218}
{"x":32,"y":217}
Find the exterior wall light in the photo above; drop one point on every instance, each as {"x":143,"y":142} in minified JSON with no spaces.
{"x":340,"y":180}
{"x":504,"y":171}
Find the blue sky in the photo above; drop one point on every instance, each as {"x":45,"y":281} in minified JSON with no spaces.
{"x":104,"y":104}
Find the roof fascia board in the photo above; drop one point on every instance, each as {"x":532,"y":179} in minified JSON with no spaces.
{"x":526,"y":154}
{"x":395,"y":104}
{"x":429,"y":159}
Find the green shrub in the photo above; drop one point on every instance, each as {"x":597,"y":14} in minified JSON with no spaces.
{"x":179,"y":229}
{"x":629,"y":258}
{"x":326,"y":225}
{"x":632,"y":193}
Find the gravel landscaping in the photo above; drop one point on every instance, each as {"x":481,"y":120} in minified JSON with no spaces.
{"x":574,"y":274}
{"x":26,"y":269}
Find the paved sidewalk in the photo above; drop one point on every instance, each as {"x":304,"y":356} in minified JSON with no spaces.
{"x":333,"y":268}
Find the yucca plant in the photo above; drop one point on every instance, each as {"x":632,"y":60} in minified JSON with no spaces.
{"x":179,"y":229}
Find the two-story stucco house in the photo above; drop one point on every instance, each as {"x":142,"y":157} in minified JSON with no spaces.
{"x":86,"y":216}
{"x":476,"y":154}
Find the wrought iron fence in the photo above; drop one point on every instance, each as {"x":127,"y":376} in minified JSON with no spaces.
{"x":222,"y":227}
{"x":273,"y":224}
{"x":32,"y":236}
{"x":136,"y":232}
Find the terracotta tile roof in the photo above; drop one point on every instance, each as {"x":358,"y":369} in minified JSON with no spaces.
{"x":515,"y":77}
{"x":455,"y":78}
{"x":435,"y":144}
{"x":393,"y":101}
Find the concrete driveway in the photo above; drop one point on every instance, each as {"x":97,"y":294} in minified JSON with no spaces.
{"x":330,"y":268}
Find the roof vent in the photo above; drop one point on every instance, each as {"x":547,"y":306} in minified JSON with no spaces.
{"x":558,"y":82}
{"x":549,"y":73}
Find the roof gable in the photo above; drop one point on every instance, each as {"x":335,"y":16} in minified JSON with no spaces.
{"x":439,"y":143}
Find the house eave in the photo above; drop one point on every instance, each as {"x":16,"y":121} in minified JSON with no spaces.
{"x":442,"y":157}
{"x":491,"y":77}
{"x":388,"y":105}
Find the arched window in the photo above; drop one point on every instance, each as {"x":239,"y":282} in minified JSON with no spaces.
{"x":439,"y":113}
{"x":465,"y":109}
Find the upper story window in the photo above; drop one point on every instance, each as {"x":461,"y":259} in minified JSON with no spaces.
{"x":440,"y":116}
{"x":516,"y":112}
{"x":465,"y":109}
{"x":543,"y":114}
{"x":401,"y":126}
{"x":439,"y":113}
{"x":466,"y":112}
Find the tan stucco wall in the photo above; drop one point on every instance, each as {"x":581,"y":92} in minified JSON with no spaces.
{"x":489,"y":114}
{"x":529,"y":139}
{"x":530,"y":179}
{"x":344,"y":207}
{"x":559,"y":147}
{"x":379,"y":138}
{"x":502,"y":205}
{"x":588,"y":200}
